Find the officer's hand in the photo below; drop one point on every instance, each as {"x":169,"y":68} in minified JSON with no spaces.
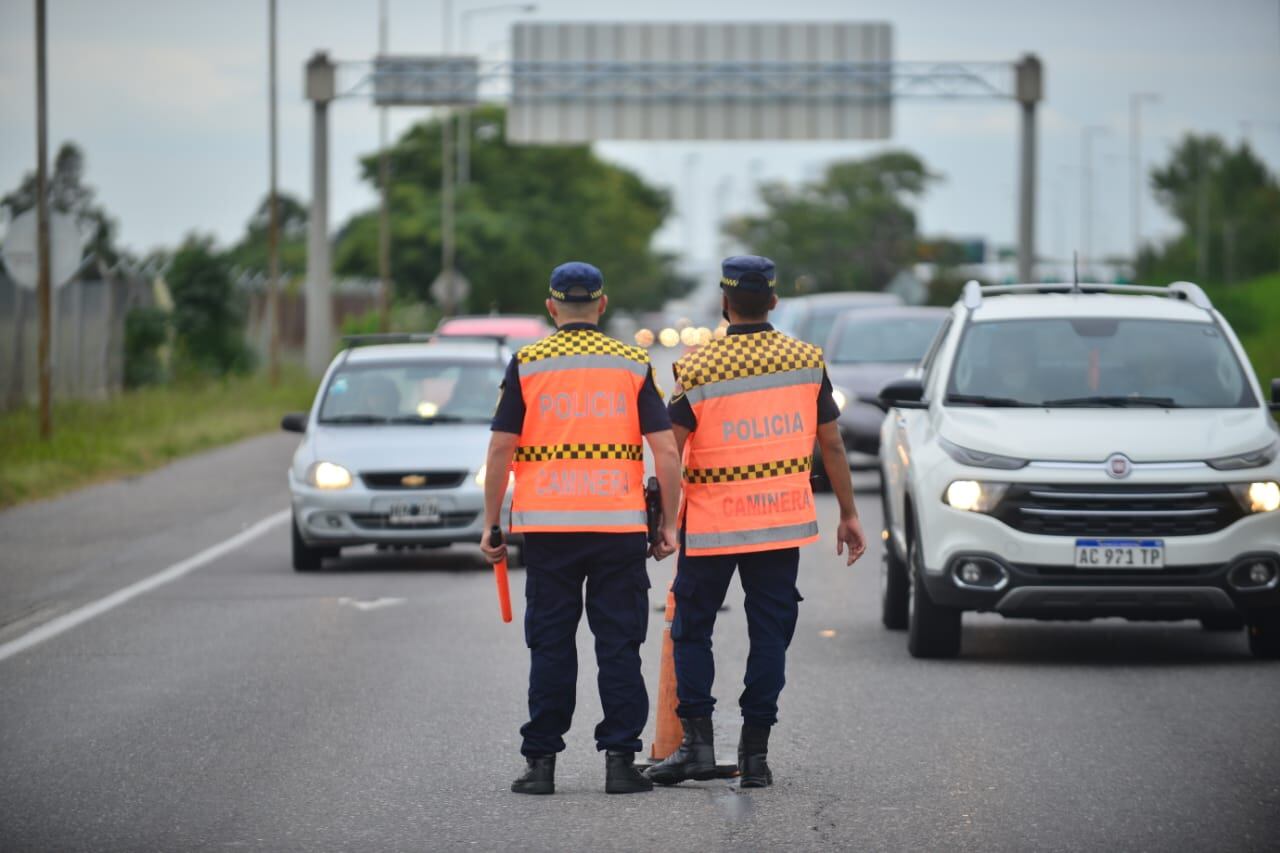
{"x":493,"y":555}
{"x":668,"y":543}
{"x":850,"y":533}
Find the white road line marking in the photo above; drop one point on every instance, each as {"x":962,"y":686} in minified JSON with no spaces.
{"x":80,"y":615}
{"x":370,"y":604}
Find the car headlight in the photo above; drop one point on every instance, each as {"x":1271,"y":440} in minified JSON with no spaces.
{"x":841,"y":397}
{"x":979,"y":459}
{"x":1258,"y":497}
{"x":974,"y":495}
{"x":484,"y":469}
{"x":328,"y":475}
{"x":1252,"y":459}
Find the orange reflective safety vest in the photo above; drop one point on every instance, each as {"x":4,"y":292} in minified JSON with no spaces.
{"x":746,"y":466}
{"x":579,"y":463}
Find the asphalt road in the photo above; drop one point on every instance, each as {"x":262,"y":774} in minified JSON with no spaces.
{"x":375,"y":706}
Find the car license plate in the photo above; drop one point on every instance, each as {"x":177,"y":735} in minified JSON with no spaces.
{"x":409,"y":513}
{"x":1119,"y":553}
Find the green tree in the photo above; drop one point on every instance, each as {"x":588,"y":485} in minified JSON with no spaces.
{"x":68,"y":193}
{"x":525,"y":210}
{"x":1228,"y":204}
{"x":250,"y":252}
{"x":852,"y":230}
{"x":208,"y":316}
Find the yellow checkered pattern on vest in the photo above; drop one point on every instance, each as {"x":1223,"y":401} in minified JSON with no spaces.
{"x":547,"y":452}
{"x":579,"y":342}
{"x":758,"y":471}
{"x":739,"y":356}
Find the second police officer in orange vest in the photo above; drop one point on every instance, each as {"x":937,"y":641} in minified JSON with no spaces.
{"x":746,"y":411}
{"x":572,"y":412}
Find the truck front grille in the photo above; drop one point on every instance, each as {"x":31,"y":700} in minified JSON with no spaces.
{"x":1110,"y":510}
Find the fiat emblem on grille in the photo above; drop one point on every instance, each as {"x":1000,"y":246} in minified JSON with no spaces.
{"x":412,"y":481}
{"x":1119,"y":466}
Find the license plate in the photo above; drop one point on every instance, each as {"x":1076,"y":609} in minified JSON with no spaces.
{"x":409,"y":513}
{"x":1119,"y":553}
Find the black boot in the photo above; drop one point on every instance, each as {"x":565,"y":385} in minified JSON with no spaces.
{"x":621,"y":775}
{"x":694,"y":759}
{"x":539,"y":777}
{"x":753,"y":750}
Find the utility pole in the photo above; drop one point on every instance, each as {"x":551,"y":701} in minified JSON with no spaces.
{"x":273,"y":227}
{"x":1030,"y":90}
{"x":1202,"y":214}
{"x":384,"y":203}
{"x":446,"y":184}
{"x":320,"y":88}
{"x":44,"y":285}
{"x":464,"y":114}
{"x":1135,"y":167}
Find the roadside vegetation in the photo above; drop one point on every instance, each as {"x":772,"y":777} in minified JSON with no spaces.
{"x":137,"y":431}
{"x":1253,"y":309}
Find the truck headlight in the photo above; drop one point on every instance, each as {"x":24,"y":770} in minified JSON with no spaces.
{"x":841,"y":397}
{"x":1258,"y":497}
{"x":1252,"y":459}
{"x":973,"y":495}
{"x":328,"y":475}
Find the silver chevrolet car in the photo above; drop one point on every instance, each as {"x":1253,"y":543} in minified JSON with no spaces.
{"x":394,"y":446}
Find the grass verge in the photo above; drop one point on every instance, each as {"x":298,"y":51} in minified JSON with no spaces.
{"x":137,"y":431}
{"x":1253,"y":309}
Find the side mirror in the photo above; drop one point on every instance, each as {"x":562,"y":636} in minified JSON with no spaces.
{"x":1275,"y":395}
{"x":873,"y":400}
{"x":903,"y":394}
{"x":294,"y":422}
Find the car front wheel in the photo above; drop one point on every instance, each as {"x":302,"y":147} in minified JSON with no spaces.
{"x":305,"y":558}
{"x":933,"y":631}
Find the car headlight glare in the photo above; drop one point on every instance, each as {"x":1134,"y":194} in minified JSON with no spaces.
{"x":974,"y":495}
{"x":1258,"y":497}
{"x":484,"y":469}
{"x":979,"y":459}
{"x":841,"y":398}
{"x":1241,"y":461}
{"x":329,"y":475}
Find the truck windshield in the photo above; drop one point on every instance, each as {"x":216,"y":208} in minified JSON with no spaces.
{"x":1098,"y":362}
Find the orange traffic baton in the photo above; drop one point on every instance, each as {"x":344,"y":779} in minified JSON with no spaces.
{"x":667,"y":732}
{"x":500,"y":575}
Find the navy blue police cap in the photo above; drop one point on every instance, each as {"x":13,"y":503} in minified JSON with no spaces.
{"x":576,"y":281}
{"x":751,"y":273}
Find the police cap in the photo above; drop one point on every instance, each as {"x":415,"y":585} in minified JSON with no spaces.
{"x":576,"y":281}
{"x":750,"y":273}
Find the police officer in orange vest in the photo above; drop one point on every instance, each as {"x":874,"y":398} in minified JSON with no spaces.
{"x":746,"y":410}
{"x":571,"y":415}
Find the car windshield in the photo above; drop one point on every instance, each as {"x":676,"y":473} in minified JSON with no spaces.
{"x":883,"y":339}
{"x":412,"y":392}
{"x":1097,"y":362}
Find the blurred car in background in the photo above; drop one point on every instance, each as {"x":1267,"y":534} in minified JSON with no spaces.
{"x":810,"y":318}
{"x":866,"y":350}
{"x":394,"y":446}
{"x":518,"y":329}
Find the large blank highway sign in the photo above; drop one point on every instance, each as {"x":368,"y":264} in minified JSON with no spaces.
{"x":583,"y":82}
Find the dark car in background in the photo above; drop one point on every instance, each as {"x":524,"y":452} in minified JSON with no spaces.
{"x":810,"y":318}
{"x":866,"y":349}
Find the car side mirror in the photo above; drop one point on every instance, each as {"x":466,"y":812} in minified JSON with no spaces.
{"x":873,"y":400}
{"x":1275,"y":395}
{"x":294,"y":422}
{"x":903,"y":394}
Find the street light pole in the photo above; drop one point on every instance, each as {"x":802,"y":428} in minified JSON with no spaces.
{"x":273,"y":226}
{"x":320,"y":90}
{"x":1030,"y":89}
{"x":44,"y":286}
{"x":1086,"y":191}
{"x":1135,"y":166}
{"x":446,"y":184}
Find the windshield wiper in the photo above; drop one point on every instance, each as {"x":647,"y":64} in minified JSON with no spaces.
{"x":1116,"y":401}
{"x":983,"y":400}
{"x":354,"y":419}
{"x":428,"y":419}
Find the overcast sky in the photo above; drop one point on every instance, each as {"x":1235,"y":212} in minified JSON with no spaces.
{"x":168,"y":98}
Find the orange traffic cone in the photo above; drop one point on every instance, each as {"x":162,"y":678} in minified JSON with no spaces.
{"x":667,"y":732}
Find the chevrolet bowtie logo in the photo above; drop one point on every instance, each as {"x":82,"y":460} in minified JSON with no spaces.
{"x":412,"y":481}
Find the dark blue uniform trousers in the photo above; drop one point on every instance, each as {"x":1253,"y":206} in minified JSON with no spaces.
{"x":772,"y":605}
{"x":617,"y":602}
